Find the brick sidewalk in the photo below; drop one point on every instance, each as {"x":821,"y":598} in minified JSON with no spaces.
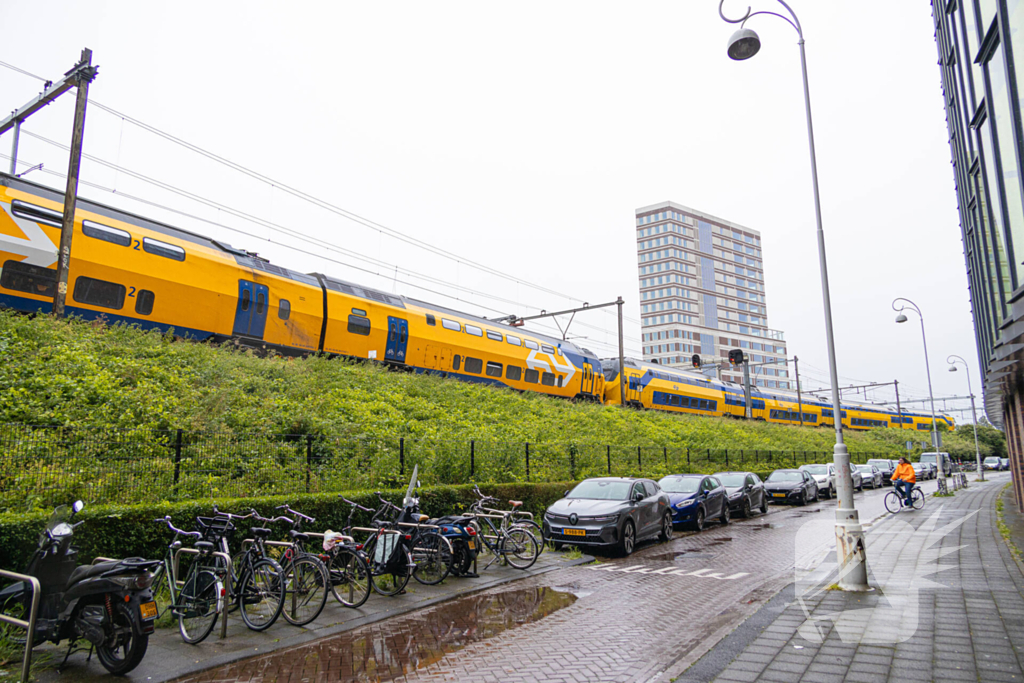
{"x":950,"y":607}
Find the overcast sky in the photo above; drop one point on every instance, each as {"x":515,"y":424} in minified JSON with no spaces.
{"x":522,"y":137}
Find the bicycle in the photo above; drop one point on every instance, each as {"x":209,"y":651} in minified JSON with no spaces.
{"x":258,"y":587}
{"x":347,"y":566}
{"x":388,"y":558}
{"x":520,"y":518}
{"x":305,"y":575}
{"x":512,"y":543}
{"x":197,"y":600}
{"x":894,"y":501}
{"x":431,"y":553}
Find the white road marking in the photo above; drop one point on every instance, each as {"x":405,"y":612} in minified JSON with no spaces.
{"x":705,"y":573}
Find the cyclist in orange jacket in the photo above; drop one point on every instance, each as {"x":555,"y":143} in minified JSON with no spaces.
{"x":904,"y":479}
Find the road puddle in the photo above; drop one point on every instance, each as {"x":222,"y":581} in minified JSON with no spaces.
{"x":399,"y":646}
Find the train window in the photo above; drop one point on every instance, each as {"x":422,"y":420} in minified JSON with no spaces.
{"x":450,"y":325}
{"x":531,"y":345}
{"x":261,"y":303}
{"x":560,"y":378}
{"x":144,"y":302}
{"x":431,"y":320}
{"x":496,"y":336}
{"x":493,"y":369}
{"x":99,"y":293}
{"x":359,"y":325}
{"x":38,"y":214}
{"x":106,"y":233}
{"x":358,"y":311}
{"x":23,"y":277}
{"x":547,"y":349}
{"x":547,"y":379}
{"x":474,"y":330}
{"x":531,"y":376}
{"x":513,"y":340}
{"x":171,"y":251}
{"x":284,"y":309}
{"x":513,"y":372}
{"x":474,"y":365}
{"x":246,"y":299}
{"x":456,"y":362}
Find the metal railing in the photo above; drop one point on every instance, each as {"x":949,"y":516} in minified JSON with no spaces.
{"x":30,"y":625}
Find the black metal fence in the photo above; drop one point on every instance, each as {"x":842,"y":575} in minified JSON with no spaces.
{"x":44,"y":466}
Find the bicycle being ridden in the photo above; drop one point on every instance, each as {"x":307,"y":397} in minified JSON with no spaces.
{"x":906,"y":493}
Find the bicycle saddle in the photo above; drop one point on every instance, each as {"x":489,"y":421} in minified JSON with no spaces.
{"x":204,"y":546}
{"x":516,"y":503}
{"x":298,"y":535}
{"x":260,"y":532}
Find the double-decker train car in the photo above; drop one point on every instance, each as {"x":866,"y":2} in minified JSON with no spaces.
{"x":127,"y":268}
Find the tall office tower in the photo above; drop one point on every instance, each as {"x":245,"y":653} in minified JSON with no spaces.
{"x":981,"y":58}
{"x":702,"y":292}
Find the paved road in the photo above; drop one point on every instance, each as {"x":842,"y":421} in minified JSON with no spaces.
{"x":623,"y":619}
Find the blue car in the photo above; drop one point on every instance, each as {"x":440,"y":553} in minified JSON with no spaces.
{"x":695,"y":498}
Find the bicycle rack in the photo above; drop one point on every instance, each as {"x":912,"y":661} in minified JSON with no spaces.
{"x":30,"y":625}
{"x":230,"y":579}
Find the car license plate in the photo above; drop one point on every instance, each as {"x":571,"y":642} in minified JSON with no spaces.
{"x":148,"y":610}
{"x":778,"y":495}
{"x":471,"y":543}
{"x":574,"y":532}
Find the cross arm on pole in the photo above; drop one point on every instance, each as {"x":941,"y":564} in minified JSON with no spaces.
{"x":81,"y":72}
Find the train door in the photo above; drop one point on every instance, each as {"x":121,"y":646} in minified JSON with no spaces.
{"x":437,"y":358}
{"x":398,"y":338}
{"x":633,"y":388}
{"x":251,"y":313}
{"x":587,"y":383}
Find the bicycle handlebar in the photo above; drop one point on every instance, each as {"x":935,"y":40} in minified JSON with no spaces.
{"x":355,"y":505}
{"x":286,"y":508}
{"x":228,"y":515}
{"x":271,"y":520}
{"x":167,"y":520}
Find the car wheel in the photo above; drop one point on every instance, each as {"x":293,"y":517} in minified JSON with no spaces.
{"x":764,"y":504}
{"x":861,"y":487}
{"x":746,"y":507}
{"x":698,"y":523}
{"x":831,"y":492}
{"x":815,"y":499}
{"x":666,"y":528}
{"x":628,"y":541}
{"x":803,"y":499}
{"x":725,"y":514}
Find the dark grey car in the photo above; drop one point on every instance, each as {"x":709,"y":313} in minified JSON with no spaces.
{"x":610,"y":511}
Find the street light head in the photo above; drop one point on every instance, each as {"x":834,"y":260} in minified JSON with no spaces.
{"x":901,"y":318}
{"x":952,"y":368}
{"x":743,"y":44}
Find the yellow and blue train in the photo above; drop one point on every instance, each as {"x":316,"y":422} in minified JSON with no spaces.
{"x":130,"y":269}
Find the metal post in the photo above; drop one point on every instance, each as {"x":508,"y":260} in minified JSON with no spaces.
{"x":401,"y":455}
{"x":666,"y":455}
{"x":799,"y":399}
{"x":747,"y":393}
{"x":472,"y":458}
{"x":639,"y":462}
{"x":687,"y":457}
{"x":609,"y":461}
{"x":527,"y":461}
{"x":71,"y":190}
{"x":14,"y":147}
{"x":726,"y":457}
{"x":899,"y":410}
{"x":622,"y":357}
{"x":177,"y":462}
{"x":309,"y":458}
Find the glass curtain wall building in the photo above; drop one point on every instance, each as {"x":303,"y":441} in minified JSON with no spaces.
{"x":981,"y":57}
{"x":702,"y":292}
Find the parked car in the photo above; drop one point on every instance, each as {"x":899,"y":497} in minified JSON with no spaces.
{"x":695,"y":498}
{"x":871,"y":476}
{"x":992,"y":463}
{"x":1004,"y":463}
{"x":947,"y":463}
{"x":613,"y":512}
{"x":858,"y":480}
{"x":921,"y":471}
{"x":886,"y":467}
{"x":744,"y":491}
{"x":791,"y":486}
{"x":933,"y":471}
{"x":824,"y":477}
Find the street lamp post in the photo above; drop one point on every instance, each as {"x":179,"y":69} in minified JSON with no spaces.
{"x":953,"y":360}
{"x":850,"y":548}
{"x":902,"y":318}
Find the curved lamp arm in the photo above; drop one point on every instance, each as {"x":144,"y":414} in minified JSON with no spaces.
{"x":794,"y":22}
{"x":900,"y":309}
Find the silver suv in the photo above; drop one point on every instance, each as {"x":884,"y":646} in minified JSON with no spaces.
{"x":824,"y":477}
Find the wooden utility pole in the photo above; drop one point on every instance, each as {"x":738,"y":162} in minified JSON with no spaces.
{"x":85,"y":77}
{"x":899,"y":411}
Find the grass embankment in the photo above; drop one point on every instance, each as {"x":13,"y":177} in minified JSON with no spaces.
{"x":80,"y":375}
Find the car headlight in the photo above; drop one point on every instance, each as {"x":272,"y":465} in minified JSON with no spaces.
{"x":735,"y":495}
{"x":609,"y":518}
{"x":685,"y":503}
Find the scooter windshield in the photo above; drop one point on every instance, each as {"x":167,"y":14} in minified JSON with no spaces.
{"x":58,"y":525}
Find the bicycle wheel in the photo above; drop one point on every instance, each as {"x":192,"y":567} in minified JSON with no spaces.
{"x":519,"y":548}
{"x":198,"y":605}
{"x":350,"y":578}
{"x":535,"y":530}
{"x":432,"y":555}
{"x":305,"y":590}
{"x":261,"y":594}
{"x":917,"y":498}
{"x":892,"y":502}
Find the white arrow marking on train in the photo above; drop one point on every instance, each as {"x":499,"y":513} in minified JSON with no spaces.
{"x":38,"y":249}
{"x":569,"y":369}
{"x":535,"y":363}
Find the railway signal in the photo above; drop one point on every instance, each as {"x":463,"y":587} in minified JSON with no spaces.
{"x":696,"y":361}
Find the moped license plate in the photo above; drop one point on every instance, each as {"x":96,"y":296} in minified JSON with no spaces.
{"x":472,"y":544}
{"x":148,"y":610}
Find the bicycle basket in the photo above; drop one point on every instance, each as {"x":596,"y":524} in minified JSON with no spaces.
{"x":215,"y":528}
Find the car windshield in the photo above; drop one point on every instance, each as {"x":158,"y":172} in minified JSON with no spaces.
{"x":879,"y":463}
{"x":991,"y":459}
{"x":864,"y":468}
{"x":926,"y":457}
{"x":785,"y":476}
{"x":679,"y":484}
{"x":598,"y":489}
{"x":816,"y":469}
{"x":732,"y":480}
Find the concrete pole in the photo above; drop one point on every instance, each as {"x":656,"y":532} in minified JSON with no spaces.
{"x":14,"y":148}
{"x":622,"y":357}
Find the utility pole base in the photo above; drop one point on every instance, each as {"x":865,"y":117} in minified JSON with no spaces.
{"x":850,"y":554}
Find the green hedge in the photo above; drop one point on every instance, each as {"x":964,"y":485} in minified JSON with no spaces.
{"x":129,"y":531}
